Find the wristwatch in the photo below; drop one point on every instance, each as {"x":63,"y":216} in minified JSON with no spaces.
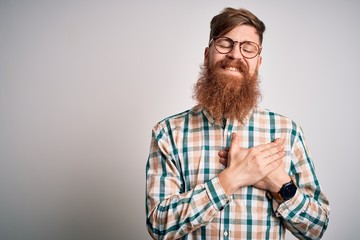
{"x":286,"y":192}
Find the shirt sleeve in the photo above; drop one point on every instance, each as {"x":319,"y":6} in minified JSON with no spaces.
{"x":171,"y":211}
{"x":306,"y":215}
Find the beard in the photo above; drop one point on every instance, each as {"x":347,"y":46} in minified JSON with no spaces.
{"x":227,"y":96}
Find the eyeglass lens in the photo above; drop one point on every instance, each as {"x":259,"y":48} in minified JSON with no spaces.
{"x":247,"y":49}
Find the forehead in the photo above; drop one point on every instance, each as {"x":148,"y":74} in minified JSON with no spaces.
{"x":243,"y":33}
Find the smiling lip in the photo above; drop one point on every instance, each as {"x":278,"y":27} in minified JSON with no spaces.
{"x":233,"y":69}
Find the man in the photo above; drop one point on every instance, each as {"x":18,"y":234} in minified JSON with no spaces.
{"x":227,"y":169}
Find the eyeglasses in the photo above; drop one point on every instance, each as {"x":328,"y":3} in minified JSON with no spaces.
{"x":225,"y":45}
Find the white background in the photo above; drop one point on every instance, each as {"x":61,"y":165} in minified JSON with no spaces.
{"x":83,"y":82}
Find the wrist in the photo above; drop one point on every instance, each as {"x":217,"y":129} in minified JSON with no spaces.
{"x":228,"y":182}
{"x":279,"y":182}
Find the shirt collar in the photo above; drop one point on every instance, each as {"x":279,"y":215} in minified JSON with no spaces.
{"x":234,"y":122}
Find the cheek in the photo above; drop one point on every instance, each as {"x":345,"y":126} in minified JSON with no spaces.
{"x":252,"y":69}
{"x":213,"y":59}
{"x":253,"y":66}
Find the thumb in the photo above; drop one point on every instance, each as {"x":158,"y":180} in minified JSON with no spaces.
{"x":234,"y":143}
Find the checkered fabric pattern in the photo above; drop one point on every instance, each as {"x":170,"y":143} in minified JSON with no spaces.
{"x":184,"y":198}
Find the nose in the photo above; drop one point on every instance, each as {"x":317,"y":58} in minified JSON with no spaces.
{"x":235,"y":52}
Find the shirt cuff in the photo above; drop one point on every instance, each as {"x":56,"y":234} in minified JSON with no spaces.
{"x":217,"y":194}
{"x":291,"y":209}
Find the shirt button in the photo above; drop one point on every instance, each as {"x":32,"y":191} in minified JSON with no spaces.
{"x":229,"y":134}
{"x":226,"y":233}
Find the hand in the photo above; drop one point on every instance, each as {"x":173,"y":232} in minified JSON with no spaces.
{"x":275,"y":179}
{"x":245,"y":167}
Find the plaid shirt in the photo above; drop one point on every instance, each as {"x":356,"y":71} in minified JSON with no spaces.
{"x":185,"y":199}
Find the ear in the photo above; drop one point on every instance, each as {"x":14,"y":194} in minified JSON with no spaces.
{"x":259,"y":60}
{"x":206,"y":56}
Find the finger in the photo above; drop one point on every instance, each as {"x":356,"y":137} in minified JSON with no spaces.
{"x":268,"y":153}
{"x":280,"y":141}
{"x":275,"y":157}
{"x":273,"y":150}
{"x":265,"y":146}
{"x":274,"y":165}
{"x":223,"y":154}
{"x":223,"y":161}
{"x":234,"y":143}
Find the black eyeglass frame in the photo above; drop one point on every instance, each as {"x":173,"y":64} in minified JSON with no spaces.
{"x":233,"y":44}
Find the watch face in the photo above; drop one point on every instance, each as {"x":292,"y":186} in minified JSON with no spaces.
{"x":288,"y":190}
